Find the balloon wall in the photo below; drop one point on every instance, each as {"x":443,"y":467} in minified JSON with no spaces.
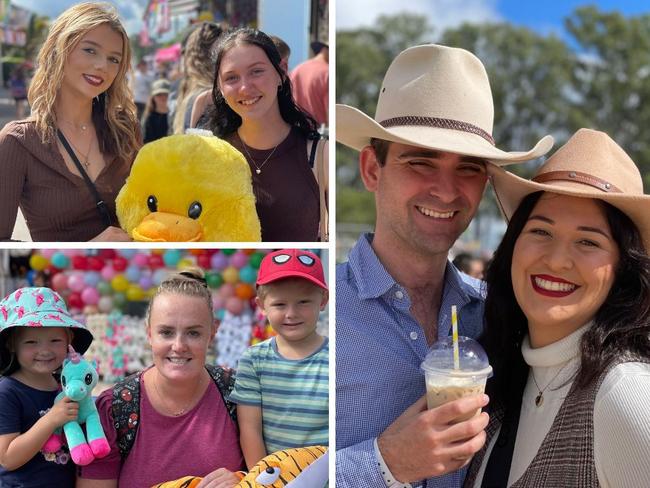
{"x":109,"y":290}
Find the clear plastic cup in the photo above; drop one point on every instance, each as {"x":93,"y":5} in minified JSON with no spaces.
{"x":444,"y":382}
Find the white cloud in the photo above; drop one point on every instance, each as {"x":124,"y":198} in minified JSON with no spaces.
{"x":441,"y":14}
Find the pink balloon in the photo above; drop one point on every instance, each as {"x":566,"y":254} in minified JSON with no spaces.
{"x":140,"y":260}
{"x":217,"y":302}
{"x":90,"y":296}
{"x":60,"y":282}
{"x":234,"y":305}
{"x":76,"y":282}
{"x":108,"y":273}
{"x":48,"y":253}
{"x":226,"y":290}
{"x":72,"y":252}
{"x":238,"y":260}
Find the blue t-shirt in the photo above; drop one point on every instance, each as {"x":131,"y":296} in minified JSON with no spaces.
{"x":20,"y":407}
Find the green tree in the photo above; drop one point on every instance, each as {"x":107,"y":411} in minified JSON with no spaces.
{"x":611,"y":79}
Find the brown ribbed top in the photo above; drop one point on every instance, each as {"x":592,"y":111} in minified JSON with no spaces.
{"x":56,"y":203}
{"x":286,"y":192}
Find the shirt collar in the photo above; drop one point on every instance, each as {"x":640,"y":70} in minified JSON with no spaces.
{"x":373,"y":280}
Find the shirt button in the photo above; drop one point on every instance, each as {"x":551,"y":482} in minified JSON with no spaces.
{"x":413,"y":335}
{"x":399,"y":295}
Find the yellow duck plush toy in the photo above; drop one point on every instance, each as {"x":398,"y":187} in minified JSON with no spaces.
{"x":304,"y":467}
{"x":190,"y":187}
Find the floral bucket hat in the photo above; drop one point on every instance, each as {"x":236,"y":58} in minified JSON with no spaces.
{"x":38,"y":307}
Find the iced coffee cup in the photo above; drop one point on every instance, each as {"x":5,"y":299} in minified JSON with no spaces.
{"x":445,"y":382}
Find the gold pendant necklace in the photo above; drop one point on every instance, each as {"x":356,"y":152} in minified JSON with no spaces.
{"x":172,"y":412}
{"x":258,"y":169}
{"x":539,"y":399}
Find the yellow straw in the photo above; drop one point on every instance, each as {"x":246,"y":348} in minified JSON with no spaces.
{"x":454,"y":336}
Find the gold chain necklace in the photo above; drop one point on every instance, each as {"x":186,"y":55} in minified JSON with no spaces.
{"x":258,"y":169}
{"x":171,"y":411}
{"x":85,"y":162}
{"x":539,"y":399}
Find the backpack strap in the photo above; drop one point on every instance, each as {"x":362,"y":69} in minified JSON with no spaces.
{"x":125,"y":404}
{"x":319,"y":165}
{"x":224,"y":378}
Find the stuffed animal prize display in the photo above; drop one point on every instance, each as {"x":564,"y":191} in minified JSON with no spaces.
{"x":78,"y":378}
{"x":189,"y":187}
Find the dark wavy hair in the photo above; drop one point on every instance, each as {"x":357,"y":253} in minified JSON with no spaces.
{"x":621,"y":327}
{"x":223,"y":120}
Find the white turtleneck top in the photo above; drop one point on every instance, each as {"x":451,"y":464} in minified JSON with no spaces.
{"x":621,"y":414}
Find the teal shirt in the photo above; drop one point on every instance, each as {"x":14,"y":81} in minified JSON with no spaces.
{"x":292,"y":393}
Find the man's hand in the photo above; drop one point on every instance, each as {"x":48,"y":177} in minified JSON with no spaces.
{"x":423,"y":443}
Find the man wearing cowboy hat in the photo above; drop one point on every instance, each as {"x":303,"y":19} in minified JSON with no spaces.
{"x":424,"y":156}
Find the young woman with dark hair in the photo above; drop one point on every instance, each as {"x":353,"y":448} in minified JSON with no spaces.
{"x":568,"y":324}
{"x":254,"y":110}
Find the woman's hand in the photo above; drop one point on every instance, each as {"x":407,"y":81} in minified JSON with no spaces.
{"x":112,"y":234}
{"x":221,"y":478}
{"x":62,"y":412}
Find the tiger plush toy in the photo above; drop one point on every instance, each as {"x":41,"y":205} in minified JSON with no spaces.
{"x":304,"y":467}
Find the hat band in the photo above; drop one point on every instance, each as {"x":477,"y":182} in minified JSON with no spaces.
{"x":576,"y":176}
{"x":438,"y":123}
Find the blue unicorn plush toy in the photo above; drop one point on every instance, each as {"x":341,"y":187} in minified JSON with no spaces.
{"x":78,"y":378}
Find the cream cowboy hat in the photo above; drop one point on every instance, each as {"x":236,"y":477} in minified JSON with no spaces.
{"x":589,"y":165}
{"x":436,"y":97}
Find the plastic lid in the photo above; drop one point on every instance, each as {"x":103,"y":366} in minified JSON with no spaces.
{"x":472,"y":358}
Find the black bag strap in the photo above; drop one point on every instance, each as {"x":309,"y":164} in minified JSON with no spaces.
{"x":102,"y":208}
{"x":314,"y":145}
{"x":125,"y":404}
{"x":497,"y":470}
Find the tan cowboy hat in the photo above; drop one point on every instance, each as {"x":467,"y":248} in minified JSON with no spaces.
{"x":589,"y":165}
{"x":436,"y":97}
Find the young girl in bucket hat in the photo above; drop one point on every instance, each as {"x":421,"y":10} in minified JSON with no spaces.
{"x":35,"y":330}
{"x":568,"y":324}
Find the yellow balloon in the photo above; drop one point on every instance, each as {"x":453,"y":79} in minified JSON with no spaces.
{"x":38,"y":262}
{"x":185,"y":263}
{"x":120,"y":283}
{"x":230,"y":275}
{"x":134,"y":293}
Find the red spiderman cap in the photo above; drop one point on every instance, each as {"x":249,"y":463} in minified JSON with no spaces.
{"x":288,"y":263}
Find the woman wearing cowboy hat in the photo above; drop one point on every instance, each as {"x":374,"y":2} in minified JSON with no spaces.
{"x":568,"y":324}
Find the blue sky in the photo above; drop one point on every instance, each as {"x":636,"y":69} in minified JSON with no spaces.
{"x":544,"y":16}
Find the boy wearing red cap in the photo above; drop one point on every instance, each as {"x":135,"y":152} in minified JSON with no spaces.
{"x":281,"y":388}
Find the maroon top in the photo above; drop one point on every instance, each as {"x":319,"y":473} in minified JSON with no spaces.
{"x":286,"y":191}
{"x":56,"y":203}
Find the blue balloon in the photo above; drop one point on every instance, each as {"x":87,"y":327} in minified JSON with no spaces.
{"x":171,"y":257}
{"x":133,"y":274}
{"x":127,"y":253}
{"x":91,"y":278}
{"x":248,"y":274}
{"x":158,"y":276}
{"x":220,"y":313}
{"x":31,"y":274}
{"x":60,"y":260}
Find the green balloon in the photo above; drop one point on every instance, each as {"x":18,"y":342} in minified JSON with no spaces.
{"x":214,"y":280}
{"x":255,"y":260}
{"x":119,"y":300}
{"x":228,"y":252}
{"x":104,"y":288}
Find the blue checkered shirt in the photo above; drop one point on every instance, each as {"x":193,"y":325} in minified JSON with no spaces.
{"x":379,"y":348}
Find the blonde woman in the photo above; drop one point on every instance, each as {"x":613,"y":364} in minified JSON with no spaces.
{"x":82,"y":110}
{"x":198,"y":72}
{"x":183,"y":423}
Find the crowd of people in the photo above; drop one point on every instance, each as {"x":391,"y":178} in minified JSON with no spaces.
{"x":90,"y":115}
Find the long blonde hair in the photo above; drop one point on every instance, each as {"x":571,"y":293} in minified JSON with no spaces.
{"x":114,"y":113}
{"x":198,"y":69}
